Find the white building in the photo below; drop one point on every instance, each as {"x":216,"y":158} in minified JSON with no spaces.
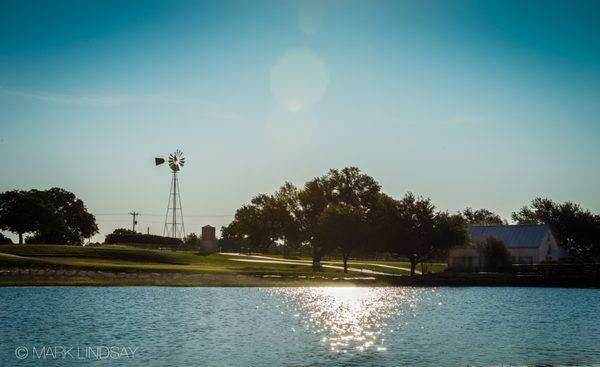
{"x":527,"y":244}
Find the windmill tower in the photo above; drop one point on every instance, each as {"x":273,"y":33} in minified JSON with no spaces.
{"x":174,"y":217}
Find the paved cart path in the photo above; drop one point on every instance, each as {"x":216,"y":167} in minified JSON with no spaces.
{"x":275,"y":260}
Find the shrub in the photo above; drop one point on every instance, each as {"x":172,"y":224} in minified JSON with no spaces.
{"x":148,"y":240}
{"x":496,"y":256}
{"x":5,"y":240}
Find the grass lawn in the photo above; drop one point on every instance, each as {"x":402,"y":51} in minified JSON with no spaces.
{"x":123,"y":258}
{"x":376,"y":265}
{"x":126,"y":259}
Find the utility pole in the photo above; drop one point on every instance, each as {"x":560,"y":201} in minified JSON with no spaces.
{"x":134,"y":214}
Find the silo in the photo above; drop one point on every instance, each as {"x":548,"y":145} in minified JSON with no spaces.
{"x":208,"y":233}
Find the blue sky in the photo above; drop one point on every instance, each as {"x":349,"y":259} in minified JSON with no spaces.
{"x":481,"y":104}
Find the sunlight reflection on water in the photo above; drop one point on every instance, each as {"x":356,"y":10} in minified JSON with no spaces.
{"x":309,"y":326}
{"x":348,"y":318}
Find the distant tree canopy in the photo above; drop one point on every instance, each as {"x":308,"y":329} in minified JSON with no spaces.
{"x":127,"y":236}
{"x":482,"y":217}
{"x":53,"y":216}
{"x":413,"y":229}
{"x":344,"y":213}
{"x":576,"y":229}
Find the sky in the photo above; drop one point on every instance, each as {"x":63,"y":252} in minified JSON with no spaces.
{"x":486,"y":104}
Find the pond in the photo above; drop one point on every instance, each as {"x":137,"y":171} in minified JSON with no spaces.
{"x":380,"y":326}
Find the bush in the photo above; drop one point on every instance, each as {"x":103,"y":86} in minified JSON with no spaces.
{"x":5,"y":240}
{"x":192,"y":240}
{"x":496,"y":256}
{"x":148,"y":240}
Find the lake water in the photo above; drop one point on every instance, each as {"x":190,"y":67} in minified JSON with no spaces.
{"x":299,"y":326}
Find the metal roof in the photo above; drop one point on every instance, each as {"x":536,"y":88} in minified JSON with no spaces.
{"x":520,"y":235}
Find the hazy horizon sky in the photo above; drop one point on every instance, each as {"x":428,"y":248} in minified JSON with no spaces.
{"x":472,"y":103}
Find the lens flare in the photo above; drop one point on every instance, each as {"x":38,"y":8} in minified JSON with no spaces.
{"x":299,"y":79}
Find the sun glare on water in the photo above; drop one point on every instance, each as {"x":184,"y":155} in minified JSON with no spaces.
{"x":347,"y":318}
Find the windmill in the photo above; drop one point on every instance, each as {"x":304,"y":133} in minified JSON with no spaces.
{"x":174,"y":227}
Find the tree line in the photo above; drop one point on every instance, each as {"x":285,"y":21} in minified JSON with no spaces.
{"x":54,"y":216}
{"x":345,"y":213}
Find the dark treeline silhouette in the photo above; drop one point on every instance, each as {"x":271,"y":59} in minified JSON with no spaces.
{"x":344,"y":213}
{"x":53,"y":216}
{"x":127,"y":236}
{"x":577,"y":229}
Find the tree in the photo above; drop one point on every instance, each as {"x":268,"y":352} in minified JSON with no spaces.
{"x":450,"y":231}
{"x":54,"y":216}
{"x":124,"y":231}
{"x":384,"y":223}
{"x":21,"y":212}
{"x":313,"y":199}
{"x":348,"y":186}
{"x":285,"y":217}
{"x":576,"y":229}
{"x":5,"y":240}
{"x":496,"y":256}
{"x":418,"y":233}
{"x":351,"y":186}
{"x":482,"y":217}
{"x":191,"y":239}
{"x":70,"y":223}
{"x":249,"y":227}
{"x":341,"y":228}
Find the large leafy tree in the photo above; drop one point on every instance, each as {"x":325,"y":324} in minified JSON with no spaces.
{"x":267,"y":221}
{"x":285,"y":217}
{"x":349,"y":187}
{"x":70,"y":223}
{"x":53,"y":216}
{"x":413,"y":229}
{"x":313,"y":200}
{"x":576,"y":229}
{"x":384,"y":223}
{"x":249,"y":228}
{"x":481,"y":217}
{"x":416,"y":239}
{"x":21,"y":212}
{"x":341,"y":228}
{"x":450,"y":230}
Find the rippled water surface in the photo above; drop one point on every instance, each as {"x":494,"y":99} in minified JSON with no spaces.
{"x":299,"y":326}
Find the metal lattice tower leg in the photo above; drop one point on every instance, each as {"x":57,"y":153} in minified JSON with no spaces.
{"x":175,"y":228}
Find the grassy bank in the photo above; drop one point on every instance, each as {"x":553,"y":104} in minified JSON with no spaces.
{"x":128,"y":260}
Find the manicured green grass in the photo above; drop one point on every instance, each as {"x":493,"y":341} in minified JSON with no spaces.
{"x":373,"y":264}
{"x":105,"y":252}
{"x":123,"y":258}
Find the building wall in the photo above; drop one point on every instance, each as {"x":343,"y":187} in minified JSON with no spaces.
{"x":466,"y":258}
{"x":470,"y":258}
